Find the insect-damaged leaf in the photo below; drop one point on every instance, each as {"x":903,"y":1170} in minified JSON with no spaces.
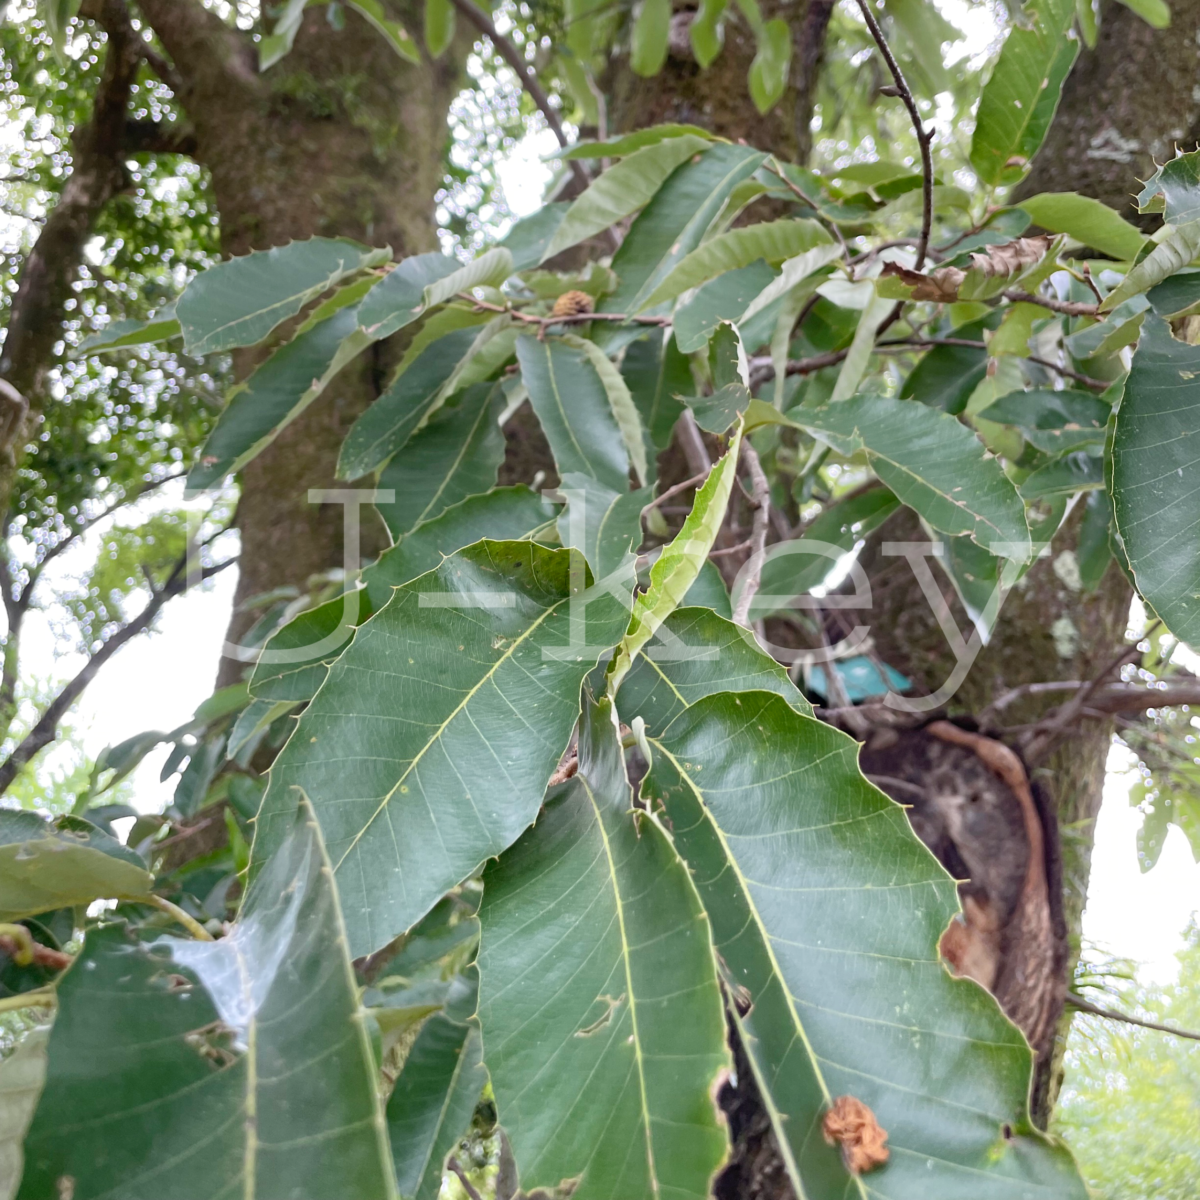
{"x":429,"y":746}
{"x":826,"y":913}
{"x":599,"y":1002}
{"x":244,"y":1061}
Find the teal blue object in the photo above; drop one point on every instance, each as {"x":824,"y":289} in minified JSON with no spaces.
{"x":861,"y":679}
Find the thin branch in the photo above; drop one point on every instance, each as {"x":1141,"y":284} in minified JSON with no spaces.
{"x":1070,"y":308}
{"x":467,"y":1186}
{"x":46,"y":729}
{"x":177,"y":914}
{"x":525,"y":74}
{"x":798,"y":192}
{"x":1057,"y":724}
{"x":924,"y":136}
{"x":761,"y":523}
{"x":544,"y":323}
{"x":695,"y":481}
{"x":923,"y":343}
{"x":1086,"y":1006}
{"x":41,"y":998}
{"x":692,"y":443}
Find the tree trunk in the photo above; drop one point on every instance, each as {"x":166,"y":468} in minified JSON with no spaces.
{"x":341,"y":138}
{"x":1126,"y":106}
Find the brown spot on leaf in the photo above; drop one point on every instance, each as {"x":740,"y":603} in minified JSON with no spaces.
{"x":851,"y":1125}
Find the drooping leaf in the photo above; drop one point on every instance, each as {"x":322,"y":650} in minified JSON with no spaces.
{"x":826,"y":913}
{"x":680,"y":561}
{"x":410,"y":399}
{"x":1175,"y":251}
{"x":858,"y":358}
{"x":1179,"y":295}
{"x":373,"y":12}
{"x":572,"y":404}
{"x":490,"y":269}
{"x":409,"y":751}
{"x":707,"y":31}
{"x":1155,"y":477}
{"x":656,"y":374}
{"x":439,"y":26}
{"x":930,"y":461}
{"x":697,"y":653}
{"x":276,"y":394}
{"x":769,"y":70}
{"x":625,"y":187}
{"x":1087,"y":221}
{"x":599,"y":996}
{"x":674,"y":222}
{"x":605,"y":525}
{"x":1020,"y":98}
{"x":161,"y":327}
{"x":435,"y":1096}
{"x":772,"y":241}
{"x":456,"y":455}
{"x":238,"y":302}
{"x":58,"y":864}
{"x":399,"y":297}
{"x":626,"y":414}
{"x":22,"y":1075}
{"x":1155,"y":13}
{"x":246,"y":1056}
{"x":651,"y":27}
{"x":793,"y":568}
{"x":295,"y":660}
{"x":278,"y":43}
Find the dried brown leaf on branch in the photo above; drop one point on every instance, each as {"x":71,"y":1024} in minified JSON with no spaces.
{"x":1007,"y":262}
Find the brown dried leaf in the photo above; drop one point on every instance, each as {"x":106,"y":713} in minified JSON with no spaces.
{"x":852,"y":1125}
{"x":1011,"y":258}
{"x":941,"y":287}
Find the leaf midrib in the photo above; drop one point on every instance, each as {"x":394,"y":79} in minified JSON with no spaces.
{"x":798,"y":1025}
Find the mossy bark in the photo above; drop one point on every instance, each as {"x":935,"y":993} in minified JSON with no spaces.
{"x":340,"y":138}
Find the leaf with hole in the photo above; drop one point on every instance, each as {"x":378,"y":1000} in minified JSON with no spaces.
{"x":247,"y":1055}
{"x":599,"y":995}
{"x":826,"y":913}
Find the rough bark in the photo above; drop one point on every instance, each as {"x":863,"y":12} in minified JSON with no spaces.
{"x":340,"y":138}
{"x":1127,"y":104}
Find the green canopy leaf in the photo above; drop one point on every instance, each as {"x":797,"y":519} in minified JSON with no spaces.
{"x":276,"y":394}
{"x":1020,"y":98}
{"x":428,"y":747}
{"x":1176,"y":251}
{"x":826,"y":913}
{"x":238,"y":302}
{"x":657,"y":374}
{"x":624,"y":188}
{"x":572,"y":403}
{"x":599,"y":1001}
{"x":676,"y":568}
{"x":772,"y":241}
{"x":398,"y":298}
{"x":22,"y":1075}
{"x":1087,"y":221}
{"x":414,"y":394}
{"x":697,"y":653}
{"x":295,"y":659}
{"x":247,"y":1056}
{"x":46,"y":865}
{"x":1155,"y":477}
{"x":456,"y":455}
{"x":930,"y":461}
{"x":605,"y":525}
{"x":431,"y":1106}
{"x":672,"y":225}
{"x":161,"y":327}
